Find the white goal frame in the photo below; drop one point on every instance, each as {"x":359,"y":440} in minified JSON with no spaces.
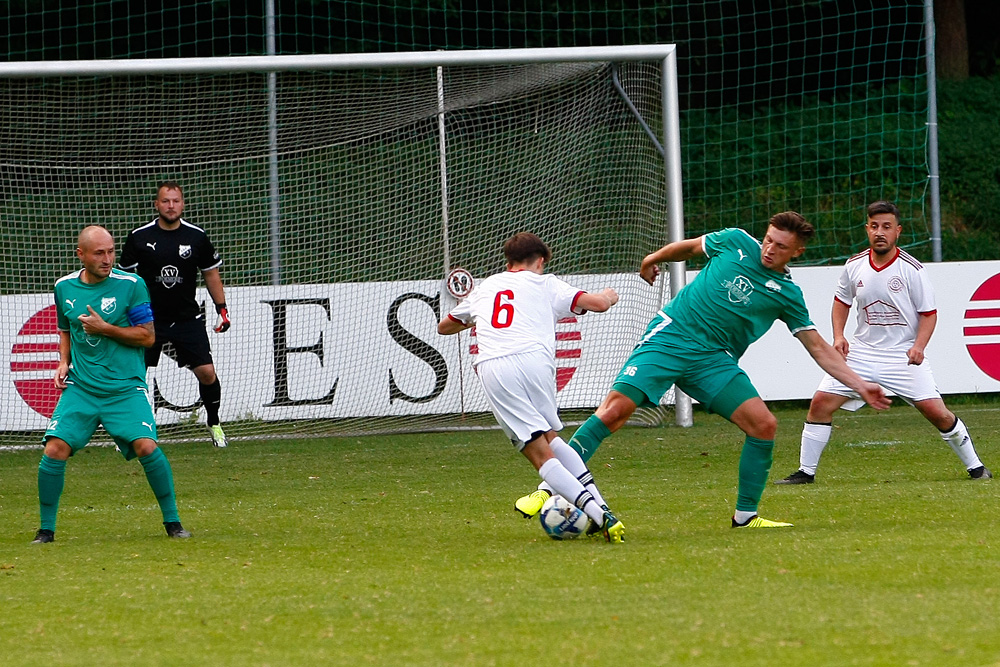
{"x":669,"y":144}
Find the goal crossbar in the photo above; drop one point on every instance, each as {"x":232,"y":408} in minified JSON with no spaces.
{"x":329,"y":62}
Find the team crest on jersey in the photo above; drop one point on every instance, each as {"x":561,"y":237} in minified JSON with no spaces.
{"x":108,"y":305}
{"x":169,"y":276}
{"x":739,"y":289}
{"x":896,"y":284}
{"x":184,"y":251}
{"x":773,"y":286}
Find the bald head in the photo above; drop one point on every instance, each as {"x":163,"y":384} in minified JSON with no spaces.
{"x":94,"y":234}
{"x":96,"y":249}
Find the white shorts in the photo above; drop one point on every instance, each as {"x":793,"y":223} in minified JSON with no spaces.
{"x":521,"y":390}
{"x":894,"y":374}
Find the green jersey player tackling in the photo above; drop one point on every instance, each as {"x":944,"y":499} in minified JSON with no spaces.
{"x":104,"y":321}
{"x":695,"y":340}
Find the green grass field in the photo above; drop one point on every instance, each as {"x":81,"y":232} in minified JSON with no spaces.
{"x":405,"y":551}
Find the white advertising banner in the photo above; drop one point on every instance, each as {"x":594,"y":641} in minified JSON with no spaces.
{"x":371,"y":349}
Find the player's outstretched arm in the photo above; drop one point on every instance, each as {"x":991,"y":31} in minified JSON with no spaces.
{"x":679,"y":251}
{"x":833,"y":363}
{"x":598,"y":302}
{"x":449,"y":325}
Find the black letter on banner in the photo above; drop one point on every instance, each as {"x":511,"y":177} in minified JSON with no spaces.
{"x":417,"y":348}
{"x":281,"y":351}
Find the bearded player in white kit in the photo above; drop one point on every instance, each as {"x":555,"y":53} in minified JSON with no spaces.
{"x":896,"y":317}
{"x":515,"y":313}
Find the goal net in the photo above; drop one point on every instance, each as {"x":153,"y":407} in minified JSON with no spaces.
{"x":339,"y":199}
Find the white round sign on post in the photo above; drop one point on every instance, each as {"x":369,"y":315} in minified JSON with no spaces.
{"x":459,"y":283}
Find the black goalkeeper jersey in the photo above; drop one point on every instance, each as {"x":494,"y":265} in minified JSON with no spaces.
{"x":169,"y":262}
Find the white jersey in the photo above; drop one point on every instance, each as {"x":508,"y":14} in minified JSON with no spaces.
{"x":516,"y":312}
{"x":890,"y":300}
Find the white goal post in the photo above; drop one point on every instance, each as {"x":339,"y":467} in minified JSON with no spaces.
{"x":341,"y":190}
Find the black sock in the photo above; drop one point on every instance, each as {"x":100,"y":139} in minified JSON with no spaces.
{"x":211,"y":396}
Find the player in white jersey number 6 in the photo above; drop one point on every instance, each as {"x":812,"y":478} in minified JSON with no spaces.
{"x":515,"y":313}
{"x":896,"y":317}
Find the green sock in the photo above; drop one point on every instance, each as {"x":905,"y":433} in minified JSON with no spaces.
{"x":589,"y":437}
{"x":51,"y":476}
{"x":755,"y":464}
{"x":161,"y":480}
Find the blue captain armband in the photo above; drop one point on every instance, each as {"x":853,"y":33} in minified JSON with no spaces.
{"x":141,"y":314}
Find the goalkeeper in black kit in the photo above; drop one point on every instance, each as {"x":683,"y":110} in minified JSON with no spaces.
{"x":168,"y":253}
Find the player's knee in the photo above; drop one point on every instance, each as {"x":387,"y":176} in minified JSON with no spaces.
{"x":822,"y":406}
{"x":764,"y":426}
{"x":57,"y":449}
{"x":615,"y":411}
{"x":143,"y":447}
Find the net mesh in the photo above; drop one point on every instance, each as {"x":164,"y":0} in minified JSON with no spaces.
{"x":334,"y":325}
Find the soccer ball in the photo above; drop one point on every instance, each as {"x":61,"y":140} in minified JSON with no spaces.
{"x":561,"y":520}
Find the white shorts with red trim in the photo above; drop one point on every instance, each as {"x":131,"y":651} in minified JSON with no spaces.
{"x":521,"y":390}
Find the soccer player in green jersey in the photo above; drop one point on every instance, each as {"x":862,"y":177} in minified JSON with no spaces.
{"x":104,"y":321}
{"x":695,"y":340}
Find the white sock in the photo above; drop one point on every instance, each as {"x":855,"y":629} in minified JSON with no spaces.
{"x":960,"y":441}
{"x":814,"y":439}
{"x":571,"y":461}
{"x":742,"y":516}
{"x":570,"y":488}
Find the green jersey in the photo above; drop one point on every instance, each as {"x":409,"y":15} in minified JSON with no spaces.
{"x":733,"y":301}
{"x":101,"y":365}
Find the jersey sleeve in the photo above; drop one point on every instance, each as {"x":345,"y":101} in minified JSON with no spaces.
{"x":139,"y":310}
{"x":796,"y":314}
{"x":714,"y":242}
{"x":208,"y":256}
{"x":62,"y":323}
{"x":462,"y":312}
{"x":922,"y":294}
{"x":128,"y":260}
{"x":564,"y":297}
{"x":846,"y":289}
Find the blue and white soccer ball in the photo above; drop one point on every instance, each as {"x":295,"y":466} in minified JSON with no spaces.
{"x":561,"y":520}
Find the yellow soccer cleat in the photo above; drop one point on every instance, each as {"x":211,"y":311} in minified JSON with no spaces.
{"x":612,"y":529}
{"x":531,"y":504}
{"x":219,"y":438}
{"x":757,"y":522}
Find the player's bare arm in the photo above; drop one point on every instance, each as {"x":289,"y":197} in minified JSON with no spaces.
{"x":141,"y":335}
{"x":833,"y":363}
{"x":925,"y":329}
{"x":679,"y":251}
{"x":62,"y":370}
{"x":449,"y":325}
{"x":839,"y":319}
{"x":598,"y":302}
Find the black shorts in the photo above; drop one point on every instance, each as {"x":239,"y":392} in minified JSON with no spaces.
{"x":184,"y":342}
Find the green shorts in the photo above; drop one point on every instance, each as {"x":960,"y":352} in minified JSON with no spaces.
{"x":126,"y":417}
{"x":712,"y":378}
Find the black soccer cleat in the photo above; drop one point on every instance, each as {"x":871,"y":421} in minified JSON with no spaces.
{"x":175,"y":529}
{"x":798,"y":477}
{"x":44,"y":536}
{"x":982,"y":472}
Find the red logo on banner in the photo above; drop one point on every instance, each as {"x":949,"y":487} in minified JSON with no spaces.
{"x":983,"y":319}
{"x":568,"y":349}
{"x":38,"y":338}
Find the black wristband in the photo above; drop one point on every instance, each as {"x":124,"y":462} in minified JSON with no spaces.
{"x":219,"y":307}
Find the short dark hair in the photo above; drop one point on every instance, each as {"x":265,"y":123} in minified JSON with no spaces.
{"x":524,"y":247}
{"x":169,"y":185}
{"x":790,"y":221}
{"x":882,"y":206}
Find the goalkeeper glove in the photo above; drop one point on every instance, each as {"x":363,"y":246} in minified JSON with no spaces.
{"x":222,"y":324}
